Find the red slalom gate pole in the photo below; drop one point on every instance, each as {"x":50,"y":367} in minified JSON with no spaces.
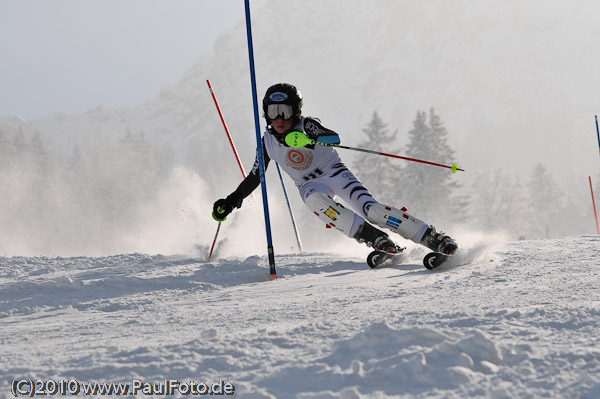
{"x":237,"y":157}
{"x":594,"y":203}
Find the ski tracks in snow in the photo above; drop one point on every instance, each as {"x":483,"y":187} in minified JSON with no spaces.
{"x":520,"y":320}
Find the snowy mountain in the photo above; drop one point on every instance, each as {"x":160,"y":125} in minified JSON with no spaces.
{"x":514,"y":84}
{"x":498,"y":73}
{"x":520,"y":321}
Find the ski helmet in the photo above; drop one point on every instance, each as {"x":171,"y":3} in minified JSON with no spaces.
{"x":282,"y":99}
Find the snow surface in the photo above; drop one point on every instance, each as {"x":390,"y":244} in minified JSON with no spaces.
{"x":520,"y":321}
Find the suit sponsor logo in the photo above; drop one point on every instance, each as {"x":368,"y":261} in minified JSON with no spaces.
{"x":332,"y":213}
{"x":313,"y":128}
{"x":299,"y":158}
{"x":393,"y":222}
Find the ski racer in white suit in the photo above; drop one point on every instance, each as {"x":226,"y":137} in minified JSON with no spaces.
{"x":322,"y":179}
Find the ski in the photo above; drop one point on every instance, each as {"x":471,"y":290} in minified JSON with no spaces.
{"x":377,"y":258}
{"x":431,"y":261}
{"x":436,"y":259}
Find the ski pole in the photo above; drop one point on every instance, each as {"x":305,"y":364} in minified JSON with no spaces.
{"x":289,"y":208}
{"x":299,"y":139}
{"x":214,"y":241}
{"x":260,"y":156}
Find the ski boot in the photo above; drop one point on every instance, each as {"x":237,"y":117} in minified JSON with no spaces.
{"x":376,"y":239}
{"x":438,"y":242}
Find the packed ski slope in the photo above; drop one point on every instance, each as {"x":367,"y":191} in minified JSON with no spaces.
{"x":521,"y":321}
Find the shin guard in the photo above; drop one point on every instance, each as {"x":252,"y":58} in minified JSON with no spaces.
{"x":397,"y":220}
{"x":330,"y":212}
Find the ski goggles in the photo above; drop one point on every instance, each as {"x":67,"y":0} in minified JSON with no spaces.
{"x":275,"y":111}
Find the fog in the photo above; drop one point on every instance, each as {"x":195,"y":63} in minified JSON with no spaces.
{"x":69,"y":56}
{"x":514,"y":84}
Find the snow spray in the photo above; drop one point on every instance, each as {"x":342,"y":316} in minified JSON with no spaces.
{"x":237,"y":158}
{"x":235,"y":153}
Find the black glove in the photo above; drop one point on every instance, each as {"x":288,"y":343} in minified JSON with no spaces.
{"x":224,"y":206}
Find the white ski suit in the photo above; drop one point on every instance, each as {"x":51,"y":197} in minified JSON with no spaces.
{"x":322,"y":178}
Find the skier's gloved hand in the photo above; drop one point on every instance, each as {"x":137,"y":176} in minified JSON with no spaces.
{"x":224,"y":207}
{"x":221,"y":210}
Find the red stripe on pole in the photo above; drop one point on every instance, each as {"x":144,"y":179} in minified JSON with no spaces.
{"x":594,"y":203}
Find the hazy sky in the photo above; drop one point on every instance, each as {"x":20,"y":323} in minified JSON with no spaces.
{"x":70,"y":55}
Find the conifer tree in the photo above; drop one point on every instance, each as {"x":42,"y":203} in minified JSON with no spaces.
{"x":499,"y":202}
{"x":426,"y":190}
{"x":546,"y":202}
{"x":376,"y":172}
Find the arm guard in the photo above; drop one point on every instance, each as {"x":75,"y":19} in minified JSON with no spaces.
{"x":315,"y":131}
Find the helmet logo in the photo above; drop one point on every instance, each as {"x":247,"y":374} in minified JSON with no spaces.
{"x":278,"y":96}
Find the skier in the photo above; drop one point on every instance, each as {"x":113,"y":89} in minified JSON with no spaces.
{"x":321,"y":176}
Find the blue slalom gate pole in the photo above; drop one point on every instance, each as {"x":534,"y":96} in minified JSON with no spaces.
{"x":260,"y":156}
{"x":598,"y":132}
{"x":287,"y":200}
